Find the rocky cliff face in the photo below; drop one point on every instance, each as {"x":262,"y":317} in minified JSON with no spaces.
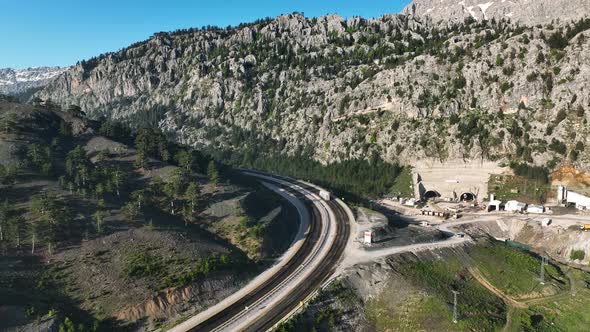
{"x":528,"y":12}
{"x":398,"y":87}
{"x":16,"y":82}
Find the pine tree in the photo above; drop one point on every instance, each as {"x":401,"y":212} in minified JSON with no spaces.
{"x":192,"y":195}
{"x":212,"y":172}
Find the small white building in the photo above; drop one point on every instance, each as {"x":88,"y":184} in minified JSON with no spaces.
{"x":494,"y":205}
{"x":535,"y":209}
{"x":409,"y":202}
{"x":515,"y":206}
{"x":368,"y":237}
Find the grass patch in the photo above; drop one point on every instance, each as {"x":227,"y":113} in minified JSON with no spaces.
{"x":403,"y":185}
{"x":515,"y":272}
{"x":419,"y":312}
{"x":577,"y":254}
{"x":564,"y":313}
{"x":479,"y":309}
{"x":509,"y":187}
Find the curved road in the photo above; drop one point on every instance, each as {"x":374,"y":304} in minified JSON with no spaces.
{"x":312,"y":258}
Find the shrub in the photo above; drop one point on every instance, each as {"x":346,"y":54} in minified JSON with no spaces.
{"x":577,"y":255}
{"x":561,"y":115}
{"x":459,"y":83}
{"x":505,"y":86}
{"x":557,"y":41}
{"x":532,"y":76}
{"x":508,"y":71}
{"x":538,"y":173}
{"x":557,"y":146}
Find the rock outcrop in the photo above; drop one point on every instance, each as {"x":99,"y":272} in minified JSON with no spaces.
{"x":528,"y":12}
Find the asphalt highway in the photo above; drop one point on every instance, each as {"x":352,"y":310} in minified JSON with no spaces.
{"x":302,"y":274}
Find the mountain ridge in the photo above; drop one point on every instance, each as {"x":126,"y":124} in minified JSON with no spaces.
{"x":399,"y":87}
{"x":19,"y":81}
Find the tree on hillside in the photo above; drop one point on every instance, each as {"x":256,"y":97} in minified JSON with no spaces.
{"x":15,"y":228}
{"x":78,"y":167}
{"x":53,"y":218}
{"x":212,"y":172}
{"x":8,"y":174}
{"x":141,"y":162}
{"x":152,"y":143}
{"x":174,"y":186}
{"x":118,"y":178}
{"x":185,"y":159}
{"x":99,"y":216}
{"x":4,"y":216}
{"x":8,"y":123}
{"x":130,"y":210}
{"x":192,"y":195}
{"x":139,"y":197}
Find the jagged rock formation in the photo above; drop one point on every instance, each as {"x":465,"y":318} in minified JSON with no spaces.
{"x":528,"y":12}
{"x":17,"y":82}
{"x":398,"y":87}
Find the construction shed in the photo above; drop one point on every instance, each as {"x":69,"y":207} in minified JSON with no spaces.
{"x":515,"y":206}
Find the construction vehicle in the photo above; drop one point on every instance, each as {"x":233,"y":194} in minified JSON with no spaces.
{"x":585,"y":227}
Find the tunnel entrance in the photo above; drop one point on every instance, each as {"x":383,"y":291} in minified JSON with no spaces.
{"x":431,"y":194}
{"x":467,"y":197}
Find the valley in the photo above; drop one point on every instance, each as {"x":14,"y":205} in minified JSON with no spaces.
{"x":423,"y":170}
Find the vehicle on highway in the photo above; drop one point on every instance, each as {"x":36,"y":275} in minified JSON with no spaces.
{"x":325,"y":195}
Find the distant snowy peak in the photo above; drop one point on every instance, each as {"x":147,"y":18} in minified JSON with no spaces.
{"x":528,"y":12}
{"x":14,"y":76}
{"x":18,"y":81}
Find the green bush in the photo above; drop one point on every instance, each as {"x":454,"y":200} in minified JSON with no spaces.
{"x":558,"y":146}
{"x":577,"y":254}
{"x":557,"y":41}
{"x":530,"y":172}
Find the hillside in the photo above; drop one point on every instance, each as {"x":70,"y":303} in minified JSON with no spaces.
{"x":115,"y":231}
{"x":521,"y":11}
{"x":396,"y":88}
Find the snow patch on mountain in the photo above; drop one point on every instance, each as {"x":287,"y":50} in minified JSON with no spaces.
{"x":18,"y":81}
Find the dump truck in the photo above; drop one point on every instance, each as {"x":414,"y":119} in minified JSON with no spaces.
{"x":585,"y":227}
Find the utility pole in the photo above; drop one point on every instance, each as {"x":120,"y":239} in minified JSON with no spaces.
{"x":544,"y":260}
{"x":455,"y":306}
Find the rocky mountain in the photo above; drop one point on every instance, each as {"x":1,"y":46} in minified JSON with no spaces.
{"x":528,"y":12}
{"x":20,"y":81}
{"x":399,"y":87}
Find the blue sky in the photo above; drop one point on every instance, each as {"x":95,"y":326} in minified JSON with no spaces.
{"x":61,"y":32}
